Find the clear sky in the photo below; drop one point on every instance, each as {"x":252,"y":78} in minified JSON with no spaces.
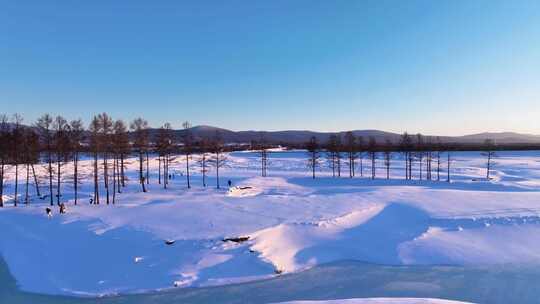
{"x":437,"y":67}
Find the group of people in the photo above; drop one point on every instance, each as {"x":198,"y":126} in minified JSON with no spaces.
{"x":62,"y":210}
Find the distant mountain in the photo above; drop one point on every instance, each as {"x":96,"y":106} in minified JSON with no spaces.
{"x":301,"y":136}
{"x":501,"y":137}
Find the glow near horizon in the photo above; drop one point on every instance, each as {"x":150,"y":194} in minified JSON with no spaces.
{"x":445,"y":67}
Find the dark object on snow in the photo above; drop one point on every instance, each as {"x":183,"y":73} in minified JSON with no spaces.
{"x":245,"y":188}
{"x":91,"y":201}
{"x":278,"y":271}
{"x":251,"y":251}
{"x":62,"y":208}
{"x":48,"y":211}
{"x":169,"y":242}
{"x":230,"y":183}
{"x":237,"y":239}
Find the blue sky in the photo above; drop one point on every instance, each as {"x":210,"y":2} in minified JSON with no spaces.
{"x":436,"y":67}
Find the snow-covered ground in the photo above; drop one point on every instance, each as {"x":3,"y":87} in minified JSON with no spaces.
{"x":292,"y":223}
{"x":378,"y":301}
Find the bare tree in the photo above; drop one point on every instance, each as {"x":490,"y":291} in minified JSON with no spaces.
{"x":420,"y":146}
{"x":360,"y":150}
{"x":30,"y":157}
{"x":218,"y":160}
{"x":4,"y":152}
{"x":406,"y":148}
{"x":187,"y":139}
{"x":16,"y":136}
{"x":95,"y":146}
{"x":62,"y":148}
{"x":36,"y":181}
{"x":105,"y":137}
{"x":388,"y":157}
{"x":262,"y":147}
{"x":204,"y":147}
{"x":160,"y":146}
{"x":164,"y":146}
{"x":438,"y":147}
{"x":313,"y":150}
{"x":429,"y":156}
{"x":76,"y":131}
{"x":339,"y":148}
{"x":119,"y":148}
{"x":122,"y":148}
{"x":170,"y":151}
{"x":44,"y":126}
{"x":331,"y":152}
{"x":352,"y":153}
{"x":139,"y":127}
{"x":448,"y":166}
{"x":372,"y":152}
{"x":489,"y":153}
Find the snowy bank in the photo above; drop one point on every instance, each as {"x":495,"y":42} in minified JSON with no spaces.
{"x":290,"y":222}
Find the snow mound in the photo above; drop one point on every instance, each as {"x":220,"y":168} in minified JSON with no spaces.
{"x":243,"y":191}
{"x":280,"y":244}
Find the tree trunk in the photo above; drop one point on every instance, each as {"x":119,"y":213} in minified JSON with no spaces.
{"x":141,"y":177}
{"x":313,"y":165}
{"x":2,"y":165}
{"x":114,"y":180}
{"x":448,"y":168}
{"x":147,"y":169}
{"x":438,"y":166}
{"x":373,"y":167}
{"x":333,"y":157}
{"x":122,"y":170}
{"x":410,"y":165}
{"x":338,"y":164}
{"x":217,"y":170}
{"x":16,"y":182}
{"x":75,"y":176}
{"x":165,"y":171}
{"x":421,"y":168}
{"x":204,"y":170}
{"x":406,"y":167}
{"x":119,"y":177}
{"x":58,"y":176}
{"x":488,"y":165}
{"x":50,"y":180}
{"x":27,"y":182}
{"x":96,"y":184}
{"x":106,"y":175}
{"x":36,"y":184}
{"x":159,"y":170}
{"x":187,"y":170}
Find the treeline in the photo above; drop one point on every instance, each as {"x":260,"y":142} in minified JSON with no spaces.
{"x":351,"y":152}
{"x":54,"y":142}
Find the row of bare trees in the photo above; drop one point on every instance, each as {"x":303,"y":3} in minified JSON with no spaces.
{"x":424,"y":152}
{"x":53,"y":142}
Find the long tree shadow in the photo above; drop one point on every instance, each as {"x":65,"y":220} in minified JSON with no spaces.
{"x":376,"y":240}
{"x":329,"y":185}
